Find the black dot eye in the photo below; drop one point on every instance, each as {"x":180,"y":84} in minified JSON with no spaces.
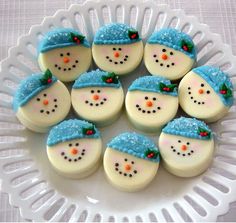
{"x":77,"y":144}
{"x":68,"y":54}
{"x":171,"y":53}
{"x":61,"y":55}
{"x":154,"y":99}
{"x":38,"y":99}
{"x":125,"y":160}
{"x":114,"y":48}
{"x":154,"y":55}
{"x":119,"y":49}
{"x":202,"y":85}
{"x":98,"y":91}
{"x":55,"y":100}
{"x":70,"y":144}
{"x":146,"y":98}
{"x":188,"y":143}
{"x":92,"y":91}
{"x":132,"y":162}
{"x":179,"y":141}
{"x":208,"y":92}
{"x":163,"y":50}
{"x":45,"y":95}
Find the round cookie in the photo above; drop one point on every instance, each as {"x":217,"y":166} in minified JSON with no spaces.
{"x":131,"y":161}
{"x":206,"y":93}
{"x":74,"y":148}
{"x":169,"y":53}
{"x":66,"y":52}
{"x":151,"y":102}
{"x":186,"y":147}
{"x":41,"y":101}
{"x":117,"y":48}
{"x":98,"y":96}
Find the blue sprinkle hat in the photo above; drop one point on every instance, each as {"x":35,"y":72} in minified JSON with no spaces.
{"x":219,"y":81}
{"x":136,"y":145}
{"x":116,"y":33}
{"x":155,"y":84}
{"x":31,"y":86}
{"x":97,"y":78}
{"x":188,"y":127}
{"x":70,"y":130}
{"x":175,"y":39}
{"x":62,"y":37}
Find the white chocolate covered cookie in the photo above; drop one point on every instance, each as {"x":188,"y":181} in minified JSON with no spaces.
{"x":74,"y":148}
{"x":186,"y":147}
{"x":131,"y":161}
{"x":151,"y":102}
{"x":206,"y":93}
{"x":66,"y":52}
{"x":117,"y":48}
{"x":97,"y":96}
{"x":41,"y":101}
{"x":169,"y":53}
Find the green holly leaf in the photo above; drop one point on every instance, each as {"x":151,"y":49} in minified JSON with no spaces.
{"x":77,"y":38}
{"x":47,"y":77}
{"x":167,"y":88}
{"x":151,"y":153}
{"x":187,"y":46}
{"x":89,"y":131}
{"x":111,"y":78}
{"x":204,"y":133}
{"x":133,"y":34}
{"x":225,"y":91}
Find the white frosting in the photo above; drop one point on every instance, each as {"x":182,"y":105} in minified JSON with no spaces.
{"x":75,"y":59}
{"x":58,"y":98}
{"x":109,"y":103}
{"x":164,"y":107}
{"x":127,"y":57}
{"x":145,"y":170}
{"x":196,"y":159}
{"x":179,"y":63}
{"x":207,"y":106}
{"x":81,"y":160}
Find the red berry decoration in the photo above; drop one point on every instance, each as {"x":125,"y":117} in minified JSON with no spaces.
{"x":46,"y":78}
{"x":204,"y":133}
{"x":167,"y":88}
{"x":133,"y":34}
{"x":110,"y":78}
{"x":225,"y":91}
{"x":49,"y":81}
{"x":77,"y":38}
{"x":151,"y":154}
{"x":187,"y":46}
{"x":89,"y":131}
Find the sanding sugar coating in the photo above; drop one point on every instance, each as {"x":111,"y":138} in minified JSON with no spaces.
{"x":188,"y":127}
{"x":134,"y":144}
{"x":71,"y":129}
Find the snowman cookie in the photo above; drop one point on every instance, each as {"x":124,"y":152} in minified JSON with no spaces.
{"x":131,"y":161}
{"x":74,"y":148}
{"x":151,"y":102}
{"x":169,"y":53}
{"x":97,"y":96}
{"x":66,"y":52}
{"x":186,"y":147}
{"x":117,"y":48}
{"x":41,"y":101}
{"x":206,"y":93}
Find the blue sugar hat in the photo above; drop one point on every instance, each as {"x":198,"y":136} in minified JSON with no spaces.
{"x":188,"y":127}
{"x":116,"y":33}
{"x":135,"y":145}
{"x":31,"y":86}
{"x":62,"y":37}
{"x":175,"y":39}
{"x":219,"y":81}
{"x":70,"y":130}
{"x":97,"y":78}
{"x":155,"y":84}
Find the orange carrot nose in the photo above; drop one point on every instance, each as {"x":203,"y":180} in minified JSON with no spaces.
{"x":45,"y":102}
{"x":74,"y":151}
{"x":200,"y":91}
{"x":66,"y":60}
{"x":95,"y":97}
{"x":149,"y":103}
{"x":116,"y":54}
{"x":184,"y":147}
{"x":164,"y":56}
{"x":128,"y":167}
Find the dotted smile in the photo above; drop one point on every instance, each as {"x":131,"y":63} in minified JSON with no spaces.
{"x":116,"y":56}
{"x":129,"y":171}
{"x":46,"y":103}
{"x":164,"y":58}
{"x":97,"y":101}
{"x":201,"y":91}
{"x":66,"y":60}
{"x":150,"y":105}
{"x":184,"y":148}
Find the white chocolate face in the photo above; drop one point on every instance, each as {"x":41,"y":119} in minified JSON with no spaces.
{"x":198,"y":99}
{"x":97,"y":104}
{"x":148,"y":111}
{"x":66,"y":63}
{"x":167,"y":62}
{"x":183,"y":156}
{"x":120,"y":59}
{"x":127,"y":172}
{"x":48,"y":107}
{"x":75,"y":158}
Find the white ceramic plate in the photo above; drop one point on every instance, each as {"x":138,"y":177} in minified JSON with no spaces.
{"x":42,"y":195}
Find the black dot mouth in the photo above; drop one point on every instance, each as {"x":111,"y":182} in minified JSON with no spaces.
{"x":67,"y":68}
{"x":193,"y":99}
{"x":50,"y":111}
{"x":125,"y":59}
{"x":116,"y":167}
{"x":181,"y":153}
{"x":97,"y":104}
{"x":153,"y":111}
{"x":73,"y":159}
{"x":162,"y":64}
